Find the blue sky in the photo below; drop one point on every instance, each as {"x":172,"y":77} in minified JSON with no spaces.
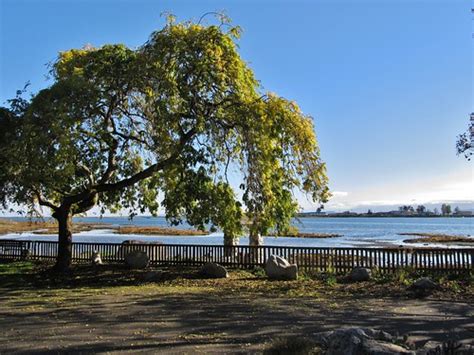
{"x":388,"y":82}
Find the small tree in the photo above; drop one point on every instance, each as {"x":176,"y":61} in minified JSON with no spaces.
{"x":420,"y":209}
{"x":118,"y":126}
{"x":445,"y":209}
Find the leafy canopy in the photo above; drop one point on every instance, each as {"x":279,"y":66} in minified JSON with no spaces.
{"x":124,"y":128}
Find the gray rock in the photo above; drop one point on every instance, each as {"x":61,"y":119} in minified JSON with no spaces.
{"x":377,"y":347}
{"x":346,"y":341}
{"x":96,"y":259}
{"x":360,"y":274}
{"x":425,"y":283}
{"x":213,"y":270}
{"x":423,"y":287}
{"x":359,"y":341}
{"x":137,"y":259}
{"x":278,"y":268}
{"x":131,"y":245}
{"x":379,"y":335}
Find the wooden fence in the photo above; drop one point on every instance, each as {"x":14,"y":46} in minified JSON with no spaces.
{"x":339,"y":260}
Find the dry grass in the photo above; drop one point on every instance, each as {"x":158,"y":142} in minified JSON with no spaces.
{"x":46,"y":227}
{"x":438,"y":238}
{"x":50,"y":227}
{"x":10,"y":226}
{"x":158,"y":231}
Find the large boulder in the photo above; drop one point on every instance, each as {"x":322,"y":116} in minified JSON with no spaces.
{"x":214,"y":271}
{"x":137,"y":259}
{"x":131,"y":245}
{"x":360,"y":274}
{"x":278,"y":268}
{"x":423,"y":287}
{"x":425,"y":283}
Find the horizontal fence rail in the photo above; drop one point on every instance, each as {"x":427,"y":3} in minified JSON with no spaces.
{"x":323,"y":259}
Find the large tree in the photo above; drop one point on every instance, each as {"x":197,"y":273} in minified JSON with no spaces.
{"x":120,"y":128}
{"x":465,"y":142}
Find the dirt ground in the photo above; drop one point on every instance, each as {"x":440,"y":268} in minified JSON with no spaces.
{"x":200,"y":316}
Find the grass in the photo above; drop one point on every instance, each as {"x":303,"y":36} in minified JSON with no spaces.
{"x":438,"y":238}
{"x":32,"y":277}
{"x":19,"y":267}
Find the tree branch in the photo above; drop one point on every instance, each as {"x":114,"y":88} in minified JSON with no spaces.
{"x":146,"y":173}
{"x":44,"y":202}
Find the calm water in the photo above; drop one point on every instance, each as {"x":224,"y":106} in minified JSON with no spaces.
{"x":355,"y":231}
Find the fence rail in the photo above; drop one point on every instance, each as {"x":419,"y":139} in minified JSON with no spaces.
{"x":307,"y":258}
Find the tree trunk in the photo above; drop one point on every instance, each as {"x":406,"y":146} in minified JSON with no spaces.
{"x":255,"y":239}
{"x":229,"y":245}
{"x":256,"y":254}
{"x":64,"y":259}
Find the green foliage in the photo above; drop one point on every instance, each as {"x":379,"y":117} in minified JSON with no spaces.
{"x":445,"y":209}
{"x":465,"y":141}
{"x":121,"y":128}
{"x":330,"y":279}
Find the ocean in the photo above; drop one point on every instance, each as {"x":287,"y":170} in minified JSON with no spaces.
{"x":363,"y":232}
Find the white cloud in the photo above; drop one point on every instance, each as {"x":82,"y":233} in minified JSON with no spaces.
{"x":339,"y":193}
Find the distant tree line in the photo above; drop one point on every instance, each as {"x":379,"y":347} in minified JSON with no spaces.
{"x":421,"y":210}
{"x":403,"y":211}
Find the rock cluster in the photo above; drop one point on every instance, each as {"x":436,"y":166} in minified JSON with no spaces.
{"x":359,"y":341}
{"x":364,"y":341}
